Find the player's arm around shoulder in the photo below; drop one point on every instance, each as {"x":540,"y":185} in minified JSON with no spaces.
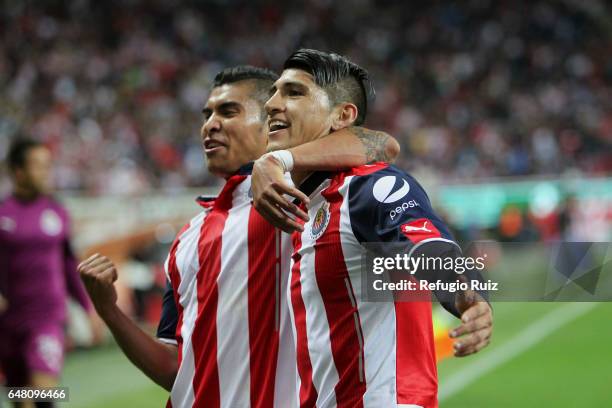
{"x":340,"y":150}
{"x":345,"y":148}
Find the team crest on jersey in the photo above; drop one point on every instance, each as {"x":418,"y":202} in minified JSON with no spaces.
{"x":321,"y":219}
{"x":50,"y":222}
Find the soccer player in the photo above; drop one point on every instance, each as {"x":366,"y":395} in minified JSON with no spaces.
{"x":37,"y":271}
{"x":226,"y":313}
{"x":353,"y":353}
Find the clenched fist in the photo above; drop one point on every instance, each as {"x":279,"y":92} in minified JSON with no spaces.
{"x":99,"y":275}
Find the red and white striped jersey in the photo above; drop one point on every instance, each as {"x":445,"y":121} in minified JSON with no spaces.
{"x":228,"y":269}
{"x":353,"y":353}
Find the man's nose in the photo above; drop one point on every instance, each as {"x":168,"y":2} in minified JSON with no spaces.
{"x":274,"y":104}
{"x":210,"y":126}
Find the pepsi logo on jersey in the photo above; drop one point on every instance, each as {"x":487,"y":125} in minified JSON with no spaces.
{"x":402,"y":208}
{"x":389,"y":189}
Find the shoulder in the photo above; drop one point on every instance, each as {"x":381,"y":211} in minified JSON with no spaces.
{"x":194,"y":224}
{"x":55,"y":204}
{"x":390,"y":202}
{"x":383,"y":184}
{"x":374,"y":172}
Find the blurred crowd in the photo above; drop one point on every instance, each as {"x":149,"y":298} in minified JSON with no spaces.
{"x":472,"y":90}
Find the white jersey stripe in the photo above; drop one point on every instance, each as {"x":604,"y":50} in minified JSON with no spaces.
{"x":285,"y":389}
{"x":182,"y":392}
{"x":324,"y":373}
{"x":232,"y":308}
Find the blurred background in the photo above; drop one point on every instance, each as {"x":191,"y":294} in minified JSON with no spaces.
{"x":503,"y":110}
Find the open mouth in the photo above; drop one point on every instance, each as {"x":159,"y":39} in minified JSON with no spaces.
{"x":211,"y":146}
{"x":276,"y":125}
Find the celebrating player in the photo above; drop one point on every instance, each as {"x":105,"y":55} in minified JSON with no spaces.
{"x":353,"y":353}
{"x":37,"y":270}
{"x":226,"y":310}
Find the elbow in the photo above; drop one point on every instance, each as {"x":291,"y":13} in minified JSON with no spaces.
{"x":167,"y":371}
{"x":167,"y":380}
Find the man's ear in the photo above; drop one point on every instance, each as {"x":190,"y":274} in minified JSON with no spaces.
{"x":345,"y":114}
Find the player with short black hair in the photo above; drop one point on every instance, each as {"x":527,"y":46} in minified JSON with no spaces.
{"x":342,"y":79}
{"x":351,"y":352}
{"x":17,"y":154}
{"x":262,"y":79}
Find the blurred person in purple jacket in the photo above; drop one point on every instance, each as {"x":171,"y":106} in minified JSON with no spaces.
{"x":37,"y":271}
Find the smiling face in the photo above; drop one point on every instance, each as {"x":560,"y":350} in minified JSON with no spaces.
{"x":298,"y":111}
{"x":233,"y":133}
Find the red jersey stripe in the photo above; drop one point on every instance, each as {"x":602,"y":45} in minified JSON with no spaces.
{"x":340,"y":306}
{"x":417,"y":378}
{"x":206,"y":378}
{"x":308,"y":393}
{"x":263,"y":280}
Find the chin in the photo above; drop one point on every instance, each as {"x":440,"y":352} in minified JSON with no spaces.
{"x":220,"y":170}
{"x":276,"y":145}
{"x":44,"y":190}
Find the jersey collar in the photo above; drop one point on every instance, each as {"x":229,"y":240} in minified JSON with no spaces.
{"x":245,"y":170}
{"x":313,"y":181}
{"x":209,"y":201}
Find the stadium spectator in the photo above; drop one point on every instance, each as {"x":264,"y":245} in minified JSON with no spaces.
{"x":472,"y":91}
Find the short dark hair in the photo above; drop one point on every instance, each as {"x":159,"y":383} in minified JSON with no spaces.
{"x":342,"y":79}
{"x":263,"y":79}
{"x":18,"y":152}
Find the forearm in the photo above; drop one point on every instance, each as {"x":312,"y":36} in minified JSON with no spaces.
{"x":77,"y":290}
{"x":74,"y":285}
{"x":444,"y":251}
{"x":345,"y":148}
{"x":156,"y":360}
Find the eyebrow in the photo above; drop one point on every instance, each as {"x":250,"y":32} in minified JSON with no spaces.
{"x":296,"y":84}
{"x":224,"y":105}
